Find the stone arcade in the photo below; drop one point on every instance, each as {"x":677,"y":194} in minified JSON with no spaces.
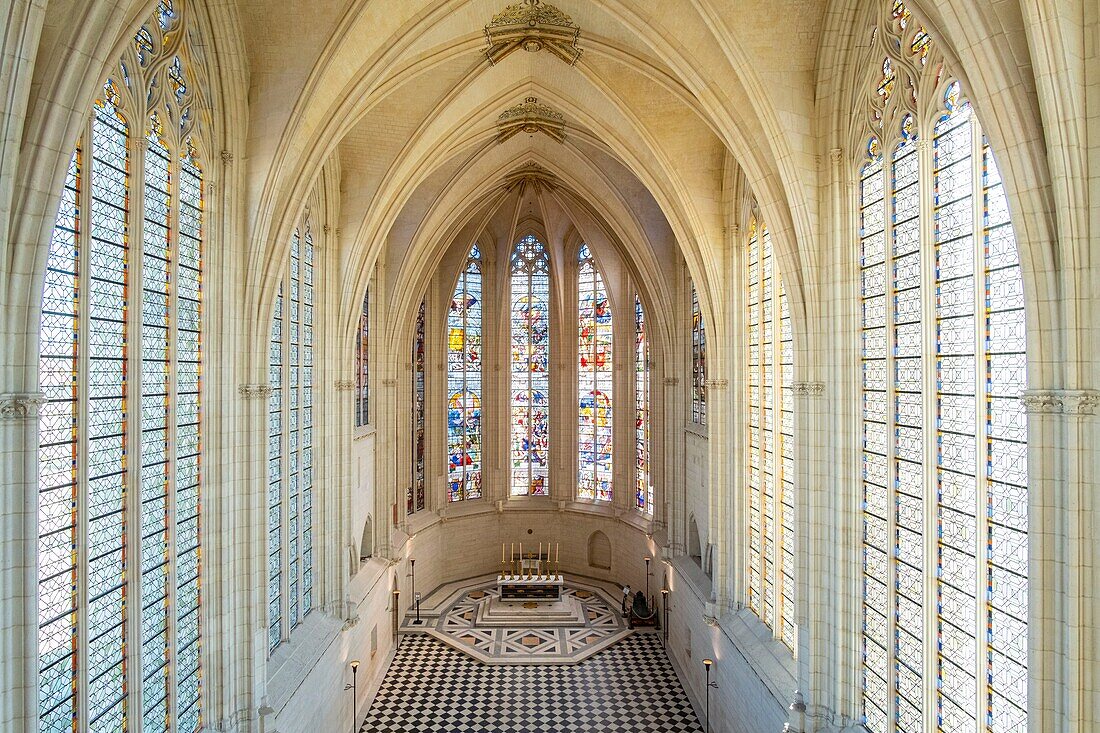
{"x":797,"y":299}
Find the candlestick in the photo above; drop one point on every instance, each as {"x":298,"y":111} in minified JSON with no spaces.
{"x":502,"y":552}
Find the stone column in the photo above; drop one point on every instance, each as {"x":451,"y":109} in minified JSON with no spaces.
{"x":18,"y":547}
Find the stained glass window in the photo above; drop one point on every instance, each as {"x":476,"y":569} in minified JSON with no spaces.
{"x":290,"y":445}
{"x":698,"y":362}
{"x":944,"y":435}
{"x":464,"y":383}
{"x":120,"y":366}
{"x":594,"y":376}
{"x":416,"y":499}
{"x":530,"y":311}
{"x":769,"y":372}
{"x":362,"y":365}
{"x":642,"y":479}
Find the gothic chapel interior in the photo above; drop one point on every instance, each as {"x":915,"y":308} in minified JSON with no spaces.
{"x":783,"y":313}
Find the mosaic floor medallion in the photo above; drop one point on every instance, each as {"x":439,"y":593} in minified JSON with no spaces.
{"x":475,"y":621}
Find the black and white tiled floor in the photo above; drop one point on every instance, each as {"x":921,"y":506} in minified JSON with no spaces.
{"x":629,"y":687}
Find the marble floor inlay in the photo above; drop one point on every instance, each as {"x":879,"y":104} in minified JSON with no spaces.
{"x":462,"y":618}
{"x":628,"y":687}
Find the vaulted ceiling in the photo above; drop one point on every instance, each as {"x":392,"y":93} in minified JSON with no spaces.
{"x":638,"y":144}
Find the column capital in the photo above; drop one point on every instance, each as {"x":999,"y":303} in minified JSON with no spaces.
{"x":21,"y":405}
{"x":808,"y":389}
{"x":344,"y":385}
{"x":717,"y":383}
{"x":1060,"y":401}
{"x":672,"y":381}
{"x":254,"y":391}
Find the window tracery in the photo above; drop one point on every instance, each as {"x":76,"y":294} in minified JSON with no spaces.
{"x":698,"y":362}
{"x":944,"y":434}
{"x":642,"y":478}
{"x":530,"y":359}
{"x":120,"y":437}
{"x":290,"y":445}
{"x":464,"y":393}
{"x":362,"y":364}
{"x":594,"y":382}
{"x":416,"y":496}
{"x":769,"y":371}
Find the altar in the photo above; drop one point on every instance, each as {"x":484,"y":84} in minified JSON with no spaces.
{"x":518,"y":588}
{"x":530,"y":577}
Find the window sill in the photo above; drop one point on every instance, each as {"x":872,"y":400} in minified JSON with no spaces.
{"x":765,"y":655}
{"x":696,"y":429}
{"x":466,"y":508}
{"x":364,"y":431}
{"x":290,"y":663}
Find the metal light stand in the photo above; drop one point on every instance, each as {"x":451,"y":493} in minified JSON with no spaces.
{"x":664,"y":602}
{"x":397,"y":615}
{"x":707,"y":663}
{"x":354,"y":694}
{"x":416,"y":596}
{"x":648,"y":560}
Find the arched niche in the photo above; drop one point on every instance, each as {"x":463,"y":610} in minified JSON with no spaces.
{"x":599,"y":551}
{"x":695,"y":549}
{"x":366,"y":544}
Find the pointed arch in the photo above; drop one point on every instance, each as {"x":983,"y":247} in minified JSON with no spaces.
{"x":530,"y":379}
{"x":944,"y":433}
{"x":464,"y":393}
{"x":594,"y":382}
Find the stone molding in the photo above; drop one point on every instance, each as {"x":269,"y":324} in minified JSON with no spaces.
{"x":344,"y":385}
{"x":717,"y":383}
{"x":21,"y":405}
{"x":254,"y":391}
{"x":533,"y":26}
{"x":389,"y":382}
{"x":1061,"y":401}
{"x":808,"y":389}
{"x":530,"y":117}
{"x":672,"y":381}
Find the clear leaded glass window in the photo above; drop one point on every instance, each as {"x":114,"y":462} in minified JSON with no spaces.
{"x":594,"y":376}
{"x":769,"y":372}
{"x":362,"y":365}
{"x":464,"y":383}
{"x":416,"y":496}
{"x":530,"y":381}
{"x":290,"y":445}
{"x":642,"y":480}
{"x":698,"y":362}
{"x":119,"y":435}
{"x":944,"y":434}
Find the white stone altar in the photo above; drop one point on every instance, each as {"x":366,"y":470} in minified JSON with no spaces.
{"x":536,"y":588}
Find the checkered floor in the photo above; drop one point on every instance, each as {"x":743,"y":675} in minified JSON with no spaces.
{"x":630,"y":687}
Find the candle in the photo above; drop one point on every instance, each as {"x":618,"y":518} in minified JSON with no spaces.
{"x":501,"y":553}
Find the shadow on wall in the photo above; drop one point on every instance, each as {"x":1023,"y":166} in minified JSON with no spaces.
{"x":599,"y":551}
{"x":366,"y":545}
{"x":695,"y":551}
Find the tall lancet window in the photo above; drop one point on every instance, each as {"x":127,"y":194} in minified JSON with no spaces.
{"x":290,"y":445}
{"x":643,"y":491}
{"x":944,"y":433}
{"x":120,"y":438}
{"x":464,"y":384}
{"x":416,"y":495}
{"x":594,"y":375}
{"x":362,"y":365}
{"x":530,"y":310}
{"x":769,"y":372}
{"x":698,"y":362}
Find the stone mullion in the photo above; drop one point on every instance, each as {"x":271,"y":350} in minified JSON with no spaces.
{"x":132,"y":427}
{"x":737,"y":539}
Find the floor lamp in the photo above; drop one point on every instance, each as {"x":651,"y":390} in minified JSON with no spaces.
{"x":354,"y":694}
{"x":707,"y":664}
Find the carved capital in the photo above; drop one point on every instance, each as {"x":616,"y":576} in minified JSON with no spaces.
{"x":21,"y":405}
{"x":389,"y":382}
{"x":1080,"y":401}
{"x":672,"y":381}
{"x":717,"y":384}
{"x":1041,"y":402}
{"x":835,"y":155}
{"x":533,"y":26}
{"x":344,"y":385}
{"x":808,"y":389}
{"x":254,"y":391}
{"x":227,"y":157}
